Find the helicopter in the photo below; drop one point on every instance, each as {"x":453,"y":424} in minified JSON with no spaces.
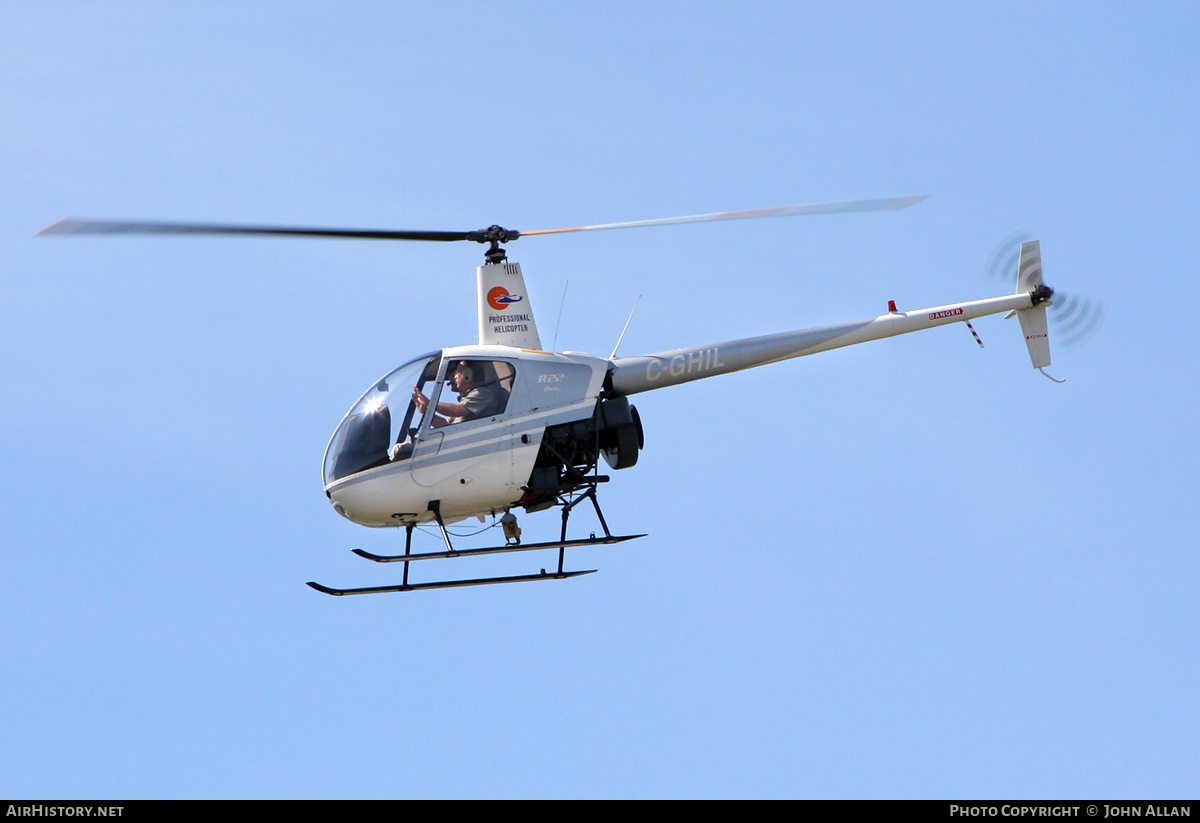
{"x":485,"y":429}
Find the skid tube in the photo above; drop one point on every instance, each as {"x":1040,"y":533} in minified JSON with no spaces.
{"x":452,"y":584}
{"x":562,"y":544}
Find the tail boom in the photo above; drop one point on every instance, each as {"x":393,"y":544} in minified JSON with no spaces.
{"x":631,"y":375}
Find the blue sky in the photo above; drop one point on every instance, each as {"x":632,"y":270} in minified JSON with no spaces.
{"x":907,"y":569}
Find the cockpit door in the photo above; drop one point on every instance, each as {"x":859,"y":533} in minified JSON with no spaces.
{"x":427,"y":448}
{"x":469,"y":441}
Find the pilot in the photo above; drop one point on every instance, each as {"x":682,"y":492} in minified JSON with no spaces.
{"x":479,"y":394}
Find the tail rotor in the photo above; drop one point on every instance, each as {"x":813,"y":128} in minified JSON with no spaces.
{"x":1075,"y":318}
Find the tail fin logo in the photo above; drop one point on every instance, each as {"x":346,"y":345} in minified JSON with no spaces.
{"x":499,"y":298}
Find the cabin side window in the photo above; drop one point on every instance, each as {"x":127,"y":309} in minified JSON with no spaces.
{"x":554,"y":383}
{"x":473,"y":390}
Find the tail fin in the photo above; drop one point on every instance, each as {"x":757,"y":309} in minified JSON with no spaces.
{"x":1033,"y":319}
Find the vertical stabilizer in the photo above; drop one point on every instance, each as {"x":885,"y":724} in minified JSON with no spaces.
{"x":505,"y":315}
{"x":1029,"y":270}
{"x":1033,"y":320}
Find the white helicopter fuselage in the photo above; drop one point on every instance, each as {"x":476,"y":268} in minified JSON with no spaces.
{"x":474,"y":467}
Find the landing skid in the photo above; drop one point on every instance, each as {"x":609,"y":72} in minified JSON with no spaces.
{"x":508,"y":547}
{"x":562,"y":544}
{"x":452,"y":584}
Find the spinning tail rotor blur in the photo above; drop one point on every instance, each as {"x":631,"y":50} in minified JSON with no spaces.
{"x":1076,"y":318}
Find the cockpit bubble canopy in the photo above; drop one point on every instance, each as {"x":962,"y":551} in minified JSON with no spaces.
{"x":384,"y":424}
{"x":383,"y":416}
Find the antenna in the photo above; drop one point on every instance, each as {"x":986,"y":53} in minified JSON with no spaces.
{"x":558,"y":322}
{"x":627,"y":322}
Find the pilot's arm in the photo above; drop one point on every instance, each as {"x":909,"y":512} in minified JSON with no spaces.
{"x":450,"y":410}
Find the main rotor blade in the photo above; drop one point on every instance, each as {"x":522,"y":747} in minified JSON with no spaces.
{"x":837,"y":207}
{"x":493,"y":234}
{"x":74,"y":226}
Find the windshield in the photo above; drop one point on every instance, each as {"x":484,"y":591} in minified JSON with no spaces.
{"x":385,"y":416}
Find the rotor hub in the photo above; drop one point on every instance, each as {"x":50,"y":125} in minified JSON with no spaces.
{"x":1041,"y":294}
{"x":494,"y":235}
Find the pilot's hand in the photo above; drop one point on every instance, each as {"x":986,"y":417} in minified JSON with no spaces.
{"x":421,"y":401}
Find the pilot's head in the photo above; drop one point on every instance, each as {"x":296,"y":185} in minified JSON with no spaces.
{"x":463,"y":376}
